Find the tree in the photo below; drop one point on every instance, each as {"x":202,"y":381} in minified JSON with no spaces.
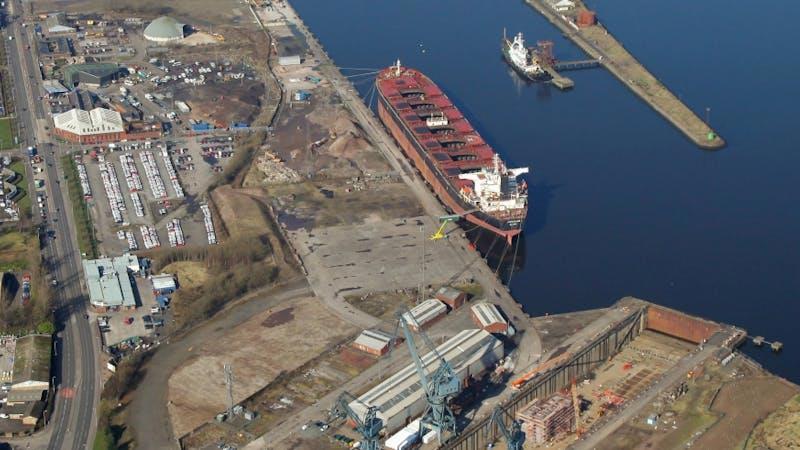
{"x":46,"y":327}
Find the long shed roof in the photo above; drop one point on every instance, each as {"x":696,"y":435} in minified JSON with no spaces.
{"x":32,"y":359}
{"x":425,"y":312}
{"x":403,"y":389}
{"x":487,"y":314}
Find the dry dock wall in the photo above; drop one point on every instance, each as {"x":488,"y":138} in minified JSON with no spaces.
{"x":677,"y":324}
{"x":606,"y":345}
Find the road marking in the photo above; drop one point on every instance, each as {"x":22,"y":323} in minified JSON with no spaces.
{"x":67,"y":392}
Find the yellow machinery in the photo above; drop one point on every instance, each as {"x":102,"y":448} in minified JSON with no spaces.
{"x":444,"y":220}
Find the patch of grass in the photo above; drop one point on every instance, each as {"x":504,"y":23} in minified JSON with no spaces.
{"x":190,"y":273}
{"x":7,"y":133}
{"x":383,"y":304}
{"x":474,"y":290}
{"x":87,"y":241}
{"x":779,"y":429}
{"x":14,"y":251}
{"x":103,"y":440}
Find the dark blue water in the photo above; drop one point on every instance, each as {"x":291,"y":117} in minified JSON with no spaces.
{"x":622,"y":203}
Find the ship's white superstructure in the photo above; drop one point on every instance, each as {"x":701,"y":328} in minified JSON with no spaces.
{"x":521,"y":57}
{"x":496,"y":188}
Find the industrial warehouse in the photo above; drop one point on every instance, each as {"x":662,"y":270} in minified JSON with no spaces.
{"x":90,"y":127}
{"x":401,"y":397}
{"x":109,"y":282}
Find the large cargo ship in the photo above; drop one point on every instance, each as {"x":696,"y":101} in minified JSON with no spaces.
{"x":463,"y":170}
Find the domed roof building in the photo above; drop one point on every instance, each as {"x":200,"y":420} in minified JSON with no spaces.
{"x":164,"y":29}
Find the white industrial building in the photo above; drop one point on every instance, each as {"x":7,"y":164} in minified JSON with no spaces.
{"x":164,"y":283}
{"x":425,"y":314}
{"x":100,"y":123}
{"x":292,"y":60}
{"x":401,"y":397}
{"x":374,"y":342}
{"x":488,"y":317}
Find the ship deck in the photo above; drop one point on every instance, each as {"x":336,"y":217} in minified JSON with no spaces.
{"x":456,"y":147}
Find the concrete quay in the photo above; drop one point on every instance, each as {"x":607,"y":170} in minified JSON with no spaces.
{"x":597,"y":42}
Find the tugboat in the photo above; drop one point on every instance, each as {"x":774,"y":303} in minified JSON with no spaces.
{"x":523,"y":60}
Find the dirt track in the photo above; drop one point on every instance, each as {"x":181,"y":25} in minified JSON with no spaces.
{"x":148,"y":409}
{"x":271,"y":342}
{"x":742,"y":404}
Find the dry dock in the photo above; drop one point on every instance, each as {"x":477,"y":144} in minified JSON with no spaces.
{"x":596,"y":41}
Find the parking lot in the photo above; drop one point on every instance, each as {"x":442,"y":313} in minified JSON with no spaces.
{"x":122,"y":326}
{"x":140,"y":196}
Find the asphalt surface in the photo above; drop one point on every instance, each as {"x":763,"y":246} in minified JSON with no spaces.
{"x":71,"y":422}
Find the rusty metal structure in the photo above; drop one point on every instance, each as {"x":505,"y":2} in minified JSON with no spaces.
{"x":579,"y":365}
{"x":544,"y":50}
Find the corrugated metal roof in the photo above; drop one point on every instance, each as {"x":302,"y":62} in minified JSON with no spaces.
{"x":163,"y":281}
{"x":425,"y":311}
{"x":109,"y":282}
{"x":448,"y":292}
{"x":403,"y":389}
{"x":96,"y":121}
{"x":487,"y":314}
{"x":32,"y":360}
{"x":292,"y":60}
{"x":373,"y":339}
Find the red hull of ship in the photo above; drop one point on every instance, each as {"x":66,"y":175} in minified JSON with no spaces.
{"x":433,"y":181}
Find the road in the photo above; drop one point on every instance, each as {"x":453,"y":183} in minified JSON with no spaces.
{"x":672,"y":376}
{"x":148,"y":415}
{"x":72,"y":422}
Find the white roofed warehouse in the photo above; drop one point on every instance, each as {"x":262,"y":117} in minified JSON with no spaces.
{"x":401,"y":398}
{"x":488,"y":317}
{"x":164,"y":29}
{"x":89,"y":127}
{"x":374,"y":342}
{"x":425,"y":314}
{"x":109,"y":282}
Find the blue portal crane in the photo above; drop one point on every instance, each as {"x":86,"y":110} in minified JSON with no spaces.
{"x":439,"y":386}
{"x":369,"y":426}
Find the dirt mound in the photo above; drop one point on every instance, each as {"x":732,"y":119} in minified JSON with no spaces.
{"x":343,"y":125}
{"x":348,"y":146}
{"x":242,"y":214}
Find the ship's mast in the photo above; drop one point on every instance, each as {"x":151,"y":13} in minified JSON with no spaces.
{"x":397,"y":67}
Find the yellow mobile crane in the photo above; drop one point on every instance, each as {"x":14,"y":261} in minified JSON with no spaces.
{"x":444,"y":220}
